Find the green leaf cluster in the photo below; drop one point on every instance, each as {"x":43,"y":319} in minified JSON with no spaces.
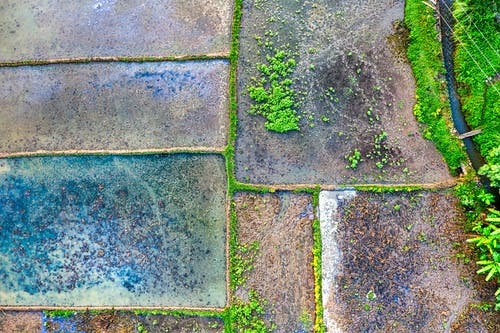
{"x":492,"y":169}
{"x":273,"y":95}
{"x":488,"y":243}
{"x":247,"y":316}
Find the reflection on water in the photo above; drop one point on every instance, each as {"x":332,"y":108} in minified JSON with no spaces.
{"x":129,"y":230}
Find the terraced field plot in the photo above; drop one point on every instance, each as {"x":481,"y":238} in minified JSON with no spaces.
{"x":397,"y":262}
{"x":51,"y":29}
{"x":113,"y":107}
{"x":139,"y":194}
{"x":113,"y":231}
{"x":355,"y":92}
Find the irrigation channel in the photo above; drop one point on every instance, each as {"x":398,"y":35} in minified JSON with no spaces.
{"x":447,"y":22}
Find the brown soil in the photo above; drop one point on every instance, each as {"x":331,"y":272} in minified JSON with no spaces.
{"x":348,"y":70}
{"x":402,"y":268}
{"x":125,"y":322}
{"x":282,"y":273}
{"x":20,"y":322}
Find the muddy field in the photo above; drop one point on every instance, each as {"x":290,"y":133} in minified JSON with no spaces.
{"x":355,"y":91}
{"x":107,"y":322}
{"x":401,"y":265}
{"x":282,"y":274}
{"x":51,"y":29}
{"x":120,"y":106}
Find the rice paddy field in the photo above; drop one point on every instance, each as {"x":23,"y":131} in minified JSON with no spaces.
{"x":226,"y":166}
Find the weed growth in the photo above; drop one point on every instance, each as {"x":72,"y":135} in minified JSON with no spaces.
{"x":272,"y":93}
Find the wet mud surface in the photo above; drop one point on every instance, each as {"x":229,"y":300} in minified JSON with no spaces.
{"x":114,"y":106}
{"x":21,"y":322}
{"x":282,"y":270}
{"x":400,"y":265}
{"x":126,"y":322}
{"x":50,"y":29}
{"x":107,"y":322}
{"x":355,"y":91}
{"x":110,"y":231}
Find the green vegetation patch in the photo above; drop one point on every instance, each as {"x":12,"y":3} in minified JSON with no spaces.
{"x":273,"y":95}
{"x":477,"y":67}
{"x":432,"y":108}
{"x":319,"y":325}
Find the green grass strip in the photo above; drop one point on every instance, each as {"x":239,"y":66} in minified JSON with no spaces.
{"x":432,"y":107}
{"x":319,"y":325}
{"x":233,"y":98}
{"x":176,"y":313}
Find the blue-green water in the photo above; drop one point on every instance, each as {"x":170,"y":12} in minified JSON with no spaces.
{"x":113,"y":231}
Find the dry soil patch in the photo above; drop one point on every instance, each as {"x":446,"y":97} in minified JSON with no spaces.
{"x":398,"y":264}
{"x":282,"y":274}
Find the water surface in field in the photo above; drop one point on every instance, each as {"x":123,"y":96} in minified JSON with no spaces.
{"x":113,"y":231}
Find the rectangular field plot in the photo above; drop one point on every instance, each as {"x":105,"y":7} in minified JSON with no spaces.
{"x":113,"y":106}
{"x":113,"y":231}
{"x":46,"y":29}
{"x":354,"y":94}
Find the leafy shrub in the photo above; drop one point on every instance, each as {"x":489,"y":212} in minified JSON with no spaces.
{"x":492,"y":169}
{"x":424,"y":53}
{"x":488,"y":243}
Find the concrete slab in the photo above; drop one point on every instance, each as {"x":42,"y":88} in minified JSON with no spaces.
{"x":113,"y":231}
{"x":113,"y":106}
{"x":46,"y":29}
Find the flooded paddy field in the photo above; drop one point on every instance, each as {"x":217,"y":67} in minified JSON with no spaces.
{"x":398,"y":262}
{"x":113,"y":106}
{"x":113,"y":231}
{"x":48,"y":29}
{"x":354,"y":93}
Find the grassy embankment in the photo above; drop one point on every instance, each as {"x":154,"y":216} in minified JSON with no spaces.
{"x":477,"y":68}
{"x":476,"y":65}
{"x":432,"y":108}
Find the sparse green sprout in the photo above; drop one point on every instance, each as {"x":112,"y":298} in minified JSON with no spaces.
{"x":354,"y":159}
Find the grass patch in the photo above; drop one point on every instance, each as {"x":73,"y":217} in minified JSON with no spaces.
{"x":432,"y":108}
{"x":112,"y":59}
{"x":319,"y":325}
{"x":477,"y":68}
{"x":233,"y":99}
